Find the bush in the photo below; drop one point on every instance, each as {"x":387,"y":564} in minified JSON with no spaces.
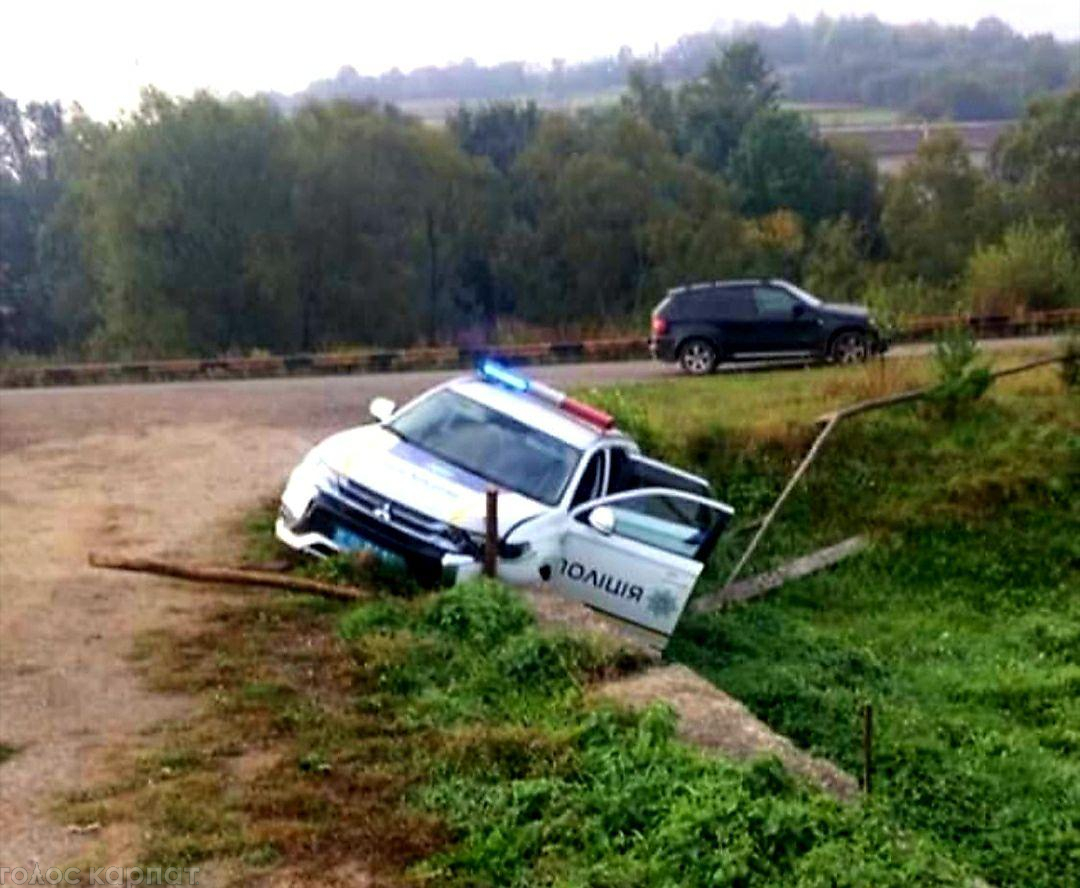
{"x":834,"y":266}
{"x":960,"y":380}
{"x":1033,"y":268}
{"x":1070,"y":361}
{"x":894,"y":301}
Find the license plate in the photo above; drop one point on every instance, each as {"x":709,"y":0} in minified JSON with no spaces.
{"x":353,"y":542}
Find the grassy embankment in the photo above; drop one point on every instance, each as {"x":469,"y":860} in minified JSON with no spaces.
{"x":446,"y":739}
{"x":961,"y":625}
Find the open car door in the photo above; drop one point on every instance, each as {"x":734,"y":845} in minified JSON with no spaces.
{"x":637,"y":555}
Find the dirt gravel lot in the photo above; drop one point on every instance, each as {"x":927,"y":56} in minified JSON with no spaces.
{"x":150,"y":469}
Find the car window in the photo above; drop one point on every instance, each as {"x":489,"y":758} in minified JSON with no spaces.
{"x":695,"y":305}
{"x":739,"y":304}
{"x":489,"y":444}
{"x":773,"y":303}
{"x":675,"y":524}
{"x":621,"y":472}
{"x":589,"y":487}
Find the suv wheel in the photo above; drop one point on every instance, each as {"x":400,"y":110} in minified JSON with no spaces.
{"x":698,"y":357}
{"x":849,"y":348}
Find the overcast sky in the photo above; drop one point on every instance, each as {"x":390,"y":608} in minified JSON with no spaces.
{"x":100,"y":52}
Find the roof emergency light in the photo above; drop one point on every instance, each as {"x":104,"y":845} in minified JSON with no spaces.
{"x":498,"y":373}
{"x":495,"y":372}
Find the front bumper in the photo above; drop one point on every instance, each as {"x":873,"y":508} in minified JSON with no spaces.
{"x":341,"y":515}
{"x":446,"y":570}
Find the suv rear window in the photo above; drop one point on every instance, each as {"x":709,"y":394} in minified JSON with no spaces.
{"x":717,"y":303}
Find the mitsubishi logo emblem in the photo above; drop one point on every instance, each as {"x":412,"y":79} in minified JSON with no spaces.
{"x":383,"y":513}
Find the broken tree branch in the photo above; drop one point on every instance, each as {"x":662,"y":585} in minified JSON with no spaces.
{"x":203,"y":573}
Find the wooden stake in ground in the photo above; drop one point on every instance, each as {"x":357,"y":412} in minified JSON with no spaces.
{"x":204,"y":573}
{"x":867,"y":747}
{"x":491,"y":533}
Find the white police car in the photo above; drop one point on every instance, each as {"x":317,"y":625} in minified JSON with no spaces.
{"x":579,"y":508}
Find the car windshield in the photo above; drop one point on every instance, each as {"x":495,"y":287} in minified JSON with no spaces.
{"x":804,"y":296}
{"x":490,"y":444}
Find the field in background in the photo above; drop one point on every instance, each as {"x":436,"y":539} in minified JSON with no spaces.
{"x":825,"y":115}
{"x":961,"y":625}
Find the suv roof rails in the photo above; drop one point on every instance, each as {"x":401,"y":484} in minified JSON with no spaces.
{"x":708,"y":285}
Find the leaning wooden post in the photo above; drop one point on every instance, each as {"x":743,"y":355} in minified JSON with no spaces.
{"x":491,"y":533}
{"x":768,"y":519}
{"x":831,"y":420}
{"x":867,"y":747}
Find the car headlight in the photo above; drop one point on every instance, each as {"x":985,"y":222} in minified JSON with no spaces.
{"x":304,"y":482}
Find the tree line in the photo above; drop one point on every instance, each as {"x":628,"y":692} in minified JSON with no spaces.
{"x":203,"y":226}
{"x":927,"y":70}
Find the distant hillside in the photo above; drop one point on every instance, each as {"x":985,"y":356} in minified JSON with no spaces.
{"x":926,"y":70}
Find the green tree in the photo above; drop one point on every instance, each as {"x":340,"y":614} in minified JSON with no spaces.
{"x":647,"y":97}
{"x":174,"y":200}
{"x":714,"y":109}
{"x":835,"y":268}
{"x":778,"y":164}
{"x":937,"y":209}
{"x":353,"y":238}
{"x":31,"y":141}
{"x":454,"y":194}
{"x":579,"y":253}
{"x":499,"y":131}
{"x":1039,"y":160}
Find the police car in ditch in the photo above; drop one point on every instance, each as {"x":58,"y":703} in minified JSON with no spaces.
{"x":580,"y":507}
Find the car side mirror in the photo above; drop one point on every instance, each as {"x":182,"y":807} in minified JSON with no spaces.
{"x":382,"y":408}
{"x":798,"y":310}
{"x":602,"y":518}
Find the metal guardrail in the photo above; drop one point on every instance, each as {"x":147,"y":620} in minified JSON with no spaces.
{"x":387,"y":361}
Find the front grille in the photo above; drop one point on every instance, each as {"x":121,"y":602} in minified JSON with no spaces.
{"x":325,"y":516}
{"x":371,"y":511}
{"x":424,"y":526}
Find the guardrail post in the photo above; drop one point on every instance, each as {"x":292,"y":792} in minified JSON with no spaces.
{"x":491,"y":533}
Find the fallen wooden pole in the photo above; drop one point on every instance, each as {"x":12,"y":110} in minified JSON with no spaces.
{"x":203,"y":573}
{"x":754,"y":586}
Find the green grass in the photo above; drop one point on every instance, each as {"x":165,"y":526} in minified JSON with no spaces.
{"x":961,"y":625}
{"x":539,"y":786}
{"x":7,"y":752}
{"x":445,"y":739}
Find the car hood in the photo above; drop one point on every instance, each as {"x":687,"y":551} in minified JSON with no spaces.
{"x":843,"y":310}
{"x":381,"y":461}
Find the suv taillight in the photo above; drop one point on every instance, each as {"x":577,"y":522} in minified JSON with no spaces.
{"x":659,"y":326}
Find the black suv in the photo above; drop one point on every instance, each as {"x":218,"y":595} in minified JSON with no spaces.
{"x":701,"y":324}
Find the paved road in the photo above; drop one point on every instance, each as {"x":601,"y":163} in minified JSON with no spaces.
{"x":163,"y":469}
{"x":310,"y":405}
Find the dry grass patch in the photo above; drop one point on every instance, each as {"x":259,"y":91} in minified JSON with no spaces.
{"x":278,"y":765}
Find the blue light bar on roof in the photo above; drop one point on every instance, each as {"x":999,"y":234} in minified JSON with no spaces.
{"x":497,"y":373}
